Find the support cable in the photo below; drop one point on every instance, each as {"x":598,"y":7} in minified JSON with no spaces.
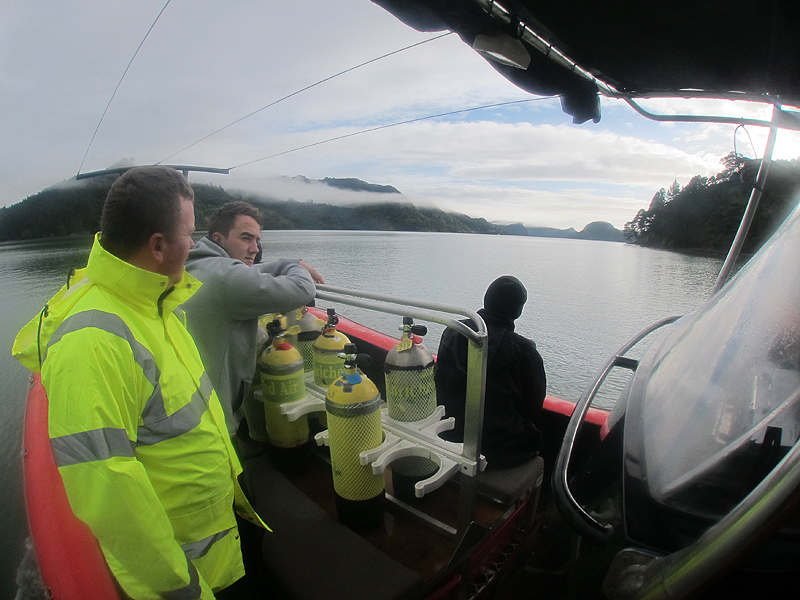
{"x":387,"y":126}
{"x":744,"y":128}
{"x":96,"y":129}
{"x":308,"y":87}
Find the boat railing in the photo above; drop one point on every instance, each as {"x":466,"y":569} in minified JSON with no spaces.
{"x":752,"y":203}
{"x":583,"y":522}
{"x":421,"y":438}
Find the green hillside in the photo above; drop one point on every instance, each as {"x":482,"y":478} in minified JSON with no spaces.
{"x":705,"y":214}
{"x":74,"y":207}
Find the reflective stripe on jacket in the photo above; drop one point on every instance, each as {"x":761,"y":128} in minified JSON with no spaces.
{"x":137,"y":430}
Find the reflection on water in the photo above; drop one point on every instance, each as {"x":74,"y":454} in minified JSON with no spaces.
{"x":585,"y":299}
{"x":44,"y":259}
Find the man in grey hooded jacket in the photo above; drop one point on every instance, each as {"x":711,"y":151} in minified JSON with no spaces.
{"x":223,"y":315}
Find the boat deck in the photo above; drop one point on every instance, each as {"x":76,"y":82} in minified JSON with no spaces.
{"x":312,"y":554}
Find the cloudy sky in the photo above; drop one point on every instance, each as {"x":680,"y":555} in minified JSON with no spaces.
{"x":208,"y":63}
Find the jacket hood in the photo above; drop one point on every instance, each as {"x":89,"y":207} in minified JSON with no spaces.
{"x":205,"y":248}
{"x":147,"y":292}
{"x":504,"y":300}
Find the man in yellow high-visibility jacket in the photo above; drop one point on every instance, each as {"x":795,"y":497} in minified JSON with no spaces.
{"x":137,"y":431}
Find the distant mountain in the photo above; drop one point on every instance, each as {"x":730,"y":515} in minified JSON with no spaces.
{"x":516,"y":229}
{"x":389,"y":216}
{"x":74,"y":207}
{"x":598,"y":230}
{"x":552,"y":232}
{"x":350,"y":184}
{"x":69,"y":208}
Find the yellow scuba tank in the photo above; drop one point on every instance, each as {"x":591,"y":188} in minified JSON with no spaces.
{"x":410,"y":396}
{"x":353,"y":407}
{"x":327,"y":350}
{"x":282,"y":381}
{"x":310,"y":329}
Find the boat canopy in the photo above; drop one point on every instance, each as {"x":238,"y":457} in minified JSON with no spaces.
{"x":578,"y":49}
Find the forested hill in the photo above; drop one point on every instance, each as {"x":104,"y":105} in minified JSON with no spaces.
{"x":75,"y":206}
{"x":705,"y":214}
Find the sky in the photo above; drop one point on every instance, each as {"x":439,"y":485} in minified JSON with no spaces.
{"x":206,"y":64}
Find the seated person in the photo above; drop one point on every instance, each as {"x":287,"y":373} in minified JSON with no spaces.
{"x":515,"y":380}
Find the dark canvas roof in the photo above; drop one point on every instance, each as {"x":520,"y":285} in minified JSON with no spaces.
{"x":721,"y":48}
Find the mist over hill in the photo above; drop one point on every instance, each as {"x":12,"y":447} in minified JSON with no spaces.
{"x":74,"y":207}
{"x":356,"y":185}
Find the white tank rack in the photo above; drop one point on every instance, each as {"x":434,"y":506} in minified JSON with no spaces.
{"x":400,"y":439}
{"x":421,"y":438}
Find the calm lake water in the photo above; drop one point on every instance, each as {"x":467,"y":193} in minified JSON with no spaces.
{"x":585,"y":300}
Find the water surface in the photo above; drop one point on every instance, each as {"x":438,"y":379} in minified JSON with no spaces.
{"x":585,"y":299}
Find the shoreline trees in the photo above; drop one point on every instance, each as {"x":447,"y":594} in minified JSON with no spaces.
{"x":705,"y":214}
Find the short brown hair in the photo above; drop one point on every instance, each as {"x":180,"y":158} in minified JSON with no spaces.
{"x":225,"y":216}
{"x":141,"y":202}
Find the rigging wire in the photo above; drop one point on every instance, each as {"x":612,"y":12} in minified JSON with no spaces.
{"x":120,"y":83}
{"x":308,"y":87}
{"x":743,"y":128}
{"x":379,"y":127}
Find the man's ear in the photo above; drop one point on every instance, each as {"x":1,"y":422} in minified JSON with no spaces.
{"x":217,"y":237}
{"x":156,"y":245}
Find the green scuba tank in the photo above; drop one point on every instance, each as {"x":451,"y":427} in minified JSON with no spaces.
{"x":282,"y":381}
{"x":353,"y":407}
{"x":328,"y":348}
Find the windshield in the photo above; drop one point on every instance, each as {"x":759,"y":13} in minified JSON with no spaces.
{"x":717,"y":401}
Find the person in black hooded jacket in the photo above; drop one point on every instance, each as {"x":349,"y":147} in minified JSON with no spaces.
{"x":515,"y":379}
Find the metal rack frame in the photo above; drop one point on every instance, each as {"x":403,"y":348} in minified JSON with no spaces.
{"x":466,"y":456}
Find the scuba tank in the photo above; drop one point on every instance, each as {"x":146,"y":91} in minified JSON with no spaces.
{"x":410,"y":387}
{"x":282,"y":381}
{"x":410,"y":396}
{"x":253,"y":405}
{"x":353,"y":406}
{"x":310,"y":329}
{"x":328,"y":348}
{"x":265,"y":320}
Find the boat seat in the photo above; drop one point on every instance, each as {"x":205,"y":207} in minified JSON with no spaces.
{"x":310,"y":555}
{"x":506,"y":486}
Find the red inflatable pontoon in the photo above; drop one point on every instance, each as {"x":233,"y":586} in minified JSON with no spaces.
{"x":70,"y":560}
